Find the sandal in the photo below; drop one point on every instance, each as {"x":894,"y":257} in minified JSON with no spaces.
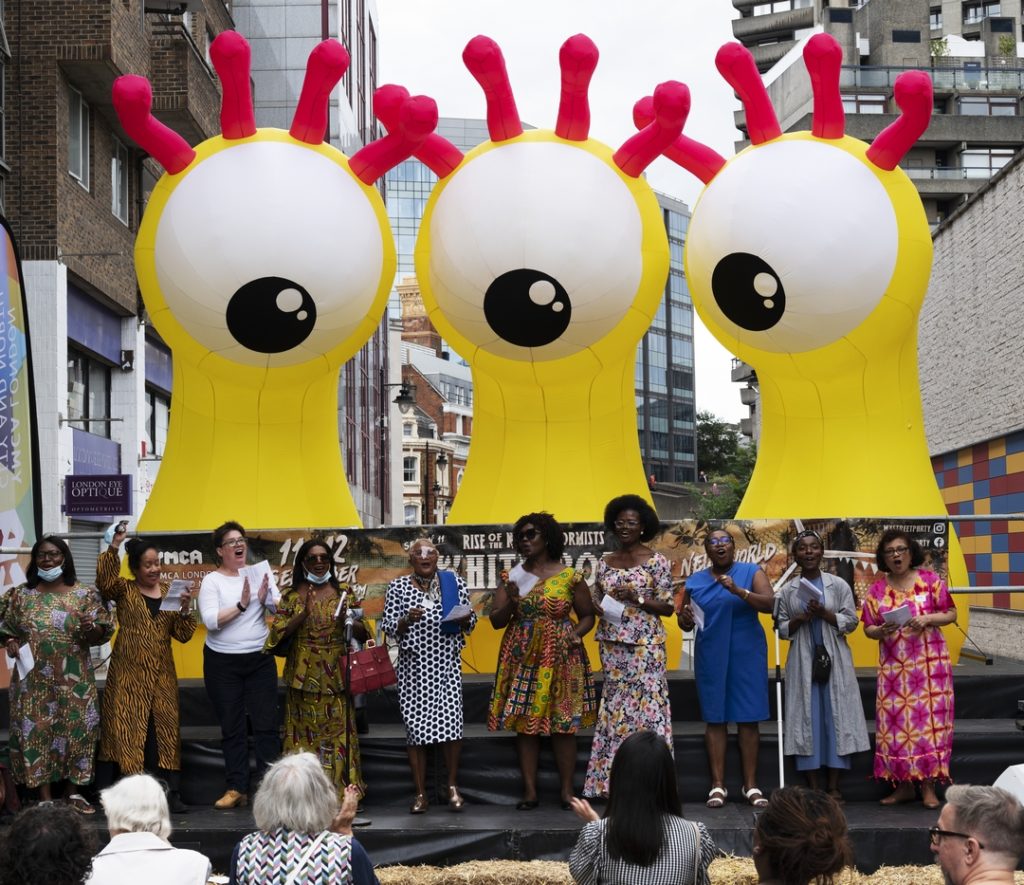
{"x":717,"y":797}
{"x":755,"y":797}
{"x":80,"y":804}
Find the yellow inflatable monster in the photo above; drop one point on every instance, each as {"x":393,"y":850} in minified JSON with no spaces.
{"x":265,"y":259}
{"x":808,"y":256}
{"x":542,"y":258}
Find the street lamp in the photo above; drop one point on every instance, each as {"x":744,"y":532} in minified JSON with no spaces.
{"x":406,"y":397}
{"x":428,"y":467}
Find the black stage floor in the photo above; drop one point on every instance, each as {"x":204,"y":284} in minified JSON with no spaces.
{"x":986,"y":742}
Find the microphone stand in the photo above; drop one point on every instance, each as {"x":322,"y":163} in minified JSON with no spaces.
{"x":349,"y":702}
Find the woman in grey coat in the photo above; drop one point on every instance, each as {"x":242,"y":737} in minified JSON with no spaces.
{"x":824,"y":719}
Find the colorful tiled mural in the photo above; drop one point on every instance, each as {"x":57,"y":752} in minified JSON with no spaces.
{"x":988,"y":478}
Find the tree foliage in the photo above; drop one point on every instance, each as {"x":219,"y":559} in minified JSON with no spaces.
{"x":726,"y":462}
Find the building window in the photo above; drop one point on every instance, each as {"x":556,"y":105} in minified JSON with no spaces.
{"x":984,"y":162}
{"x":119,"y":181}
{"x":78,"y":137}
{"x":158,"y":413}
{"x":407,"y":430}
{"x":410,"y":469}
{"x":88,"y":393}
{"x":976,"y":12}
{"x":864,"y":103}
{"x":987,"y":106}
{"x":412,"y":513}
{"x":935,"y":18}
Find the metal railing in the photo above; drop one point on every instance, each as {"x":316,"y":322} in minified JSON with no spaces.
{"x":955,"y":79}
{"x":949,"y":173}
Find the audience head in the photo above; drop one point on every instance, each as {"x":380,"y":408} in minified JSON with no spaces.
{"x":46,"y":845}
{"x":801,"y":837}
{"x":897,"y":538}
{"x":647,"y":514}
{"x":979,"y":829}
{"x":550,"y":532}
{"x":295,"y":794}
{"x":136,"y":804}
{"x":641,"y":788}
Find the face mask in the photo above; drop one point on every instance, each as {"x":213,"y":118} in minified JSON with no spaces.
{"x":50,"y":574}
{"x":319,"y":580}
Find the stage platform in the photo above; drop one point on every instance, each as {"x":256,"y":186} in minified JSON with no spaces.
{"x":986,"y":742}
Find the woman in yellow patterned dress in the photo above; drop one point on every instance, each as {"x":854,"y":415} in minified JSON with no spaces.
{"x":543,"y":685}
{"x":309,"y":628}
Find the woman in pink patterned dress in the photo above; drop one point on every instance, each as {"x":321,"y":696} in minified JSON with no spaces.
{"x":914,"y":714}
{"x":633,"y":656}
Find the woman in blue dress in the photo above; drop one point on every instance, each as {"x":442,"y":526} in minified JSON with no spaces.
{"x":731,"y":659}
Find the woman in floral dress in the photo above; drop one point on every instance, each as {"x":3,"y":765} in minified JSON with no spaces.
{"x":633,"y":657}
{"x":914,"y":714}
{"x":543,"y":684}
{"x":55,"y":716}
{"x":309,"y":627}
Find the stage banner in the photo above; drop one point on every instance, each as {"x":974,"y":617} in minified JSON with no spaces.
{"x":368,"y":559}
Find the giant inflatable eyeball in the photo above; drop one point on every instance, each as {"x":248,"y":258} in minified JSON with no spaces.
{"x":764,"y":260}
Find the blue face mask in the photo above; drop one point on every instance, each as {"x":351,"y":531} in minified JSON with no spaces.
{"x":50,"y":574}
{"x":318,"y":580}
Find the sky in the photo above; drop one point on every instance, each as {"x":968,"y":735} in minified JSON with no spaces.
{"x":642,"y":43}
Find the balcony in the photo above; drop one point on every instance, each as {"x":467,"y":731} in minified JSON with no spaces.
{"x":766,"y":56}
{"x":185,"y":93}
{"x":943,"y":79}
{"x":743,"y":372}
{"x":745,"y":29}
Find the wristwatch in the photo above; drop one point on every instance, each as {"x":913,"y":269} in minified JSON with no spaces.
{"x":640,"y":602}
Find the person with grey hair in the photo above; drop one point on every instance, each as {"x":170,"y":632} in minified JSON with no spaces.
{"x":304,"y":838}
{"x":979,"y":837}
{"x":139,"y":823}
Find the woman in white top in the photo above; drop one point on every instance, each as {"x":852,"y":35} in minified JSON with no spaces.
{"x":140,"y":825}
{"x":240,"y":678}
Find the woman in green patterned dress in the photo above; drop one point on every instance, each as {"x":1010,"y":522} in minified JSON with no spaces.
{"x":543,"y":684}
{"x":55,"y":716}
{"x":310,"y":625}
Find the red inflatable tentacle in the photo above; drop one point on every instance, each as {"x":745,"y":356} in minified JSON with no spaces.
{"x":232,"y":57}
{"x":578,"y":60}
{"x":823,"y":57}
{"x":671,"y":104}
{"x":327,"y":63}
{"x":133,"y":101}
{"x":696,"y":158}
{"x":482,"y":56}
{"x":736,"y":65}
{"x":913,"y":93}
{"x":417,"y":118}
{"x":436,"y":152}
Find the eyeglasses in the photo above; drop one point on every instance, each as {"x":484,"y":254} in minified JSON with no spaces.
{"x":719,"y":542}
{"x":895,"y":551}
{"x":622,"y":524}
{"x":49,"y":555}
{"x":424,"y":552}
{"x":527,"y":534}
{"x":314,"y":558}
{"x":935,"y":836}
{"x":233,"y":542}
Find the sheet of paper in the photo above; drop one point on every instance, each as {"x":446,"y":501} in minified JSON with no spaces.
{"x":522,"y":579}
{"x":698,"y":615}
{"x":898,"y":616}
{"x":612,"y":609}
{"x":172,"y":601}
{"x":24,"y":661}
{"x":255,"y":573}
{"x":806,"y":591}
{"x":458,"y":611}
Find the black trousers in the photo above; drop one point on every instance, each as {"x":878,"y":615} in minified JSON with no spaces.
{"x":238,"y":685}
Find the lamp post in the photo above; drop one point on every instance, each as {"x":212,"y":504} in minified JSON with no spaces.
{"x":406,"y":397}
{"x":431,"y":484}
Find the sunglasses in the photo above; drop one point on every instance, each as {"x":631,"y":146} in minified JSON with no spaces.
{"x":314,"y":558}
{"x":527,"y":534}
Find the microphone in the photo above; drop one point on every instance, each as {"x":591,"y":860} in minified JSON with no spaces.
{"x":349,"y":619}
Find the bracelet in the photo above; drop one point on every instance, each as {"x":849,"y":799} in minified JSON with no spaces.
{"x":240,"y":607}
{"x":746,"y":593}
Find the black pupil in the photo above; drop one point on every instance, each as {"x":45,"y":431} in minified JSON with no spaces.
{"x":271,"y":315}
{"x":527,"y":307}
{"x":748,"y":291}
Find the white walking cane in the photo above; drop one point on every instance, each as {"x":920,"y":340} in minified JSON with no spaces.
{"x":778,"y":668}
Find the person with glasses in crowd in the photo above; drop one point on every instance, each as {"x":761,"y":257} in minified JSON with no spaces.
{"x":730,"y":659}
{"x":308,"y":630}
{"x":543,"y":684}
{"x":799,"y":838}
{"x":140,"y":697}
{"x":633,"y":655}
{"x":48,"y":624}
{"x":824,"y":715}
{"x":979,"y":837}
{"x":239,"y":678}
{"x":914,"y":705}
{"x":416,"y":612}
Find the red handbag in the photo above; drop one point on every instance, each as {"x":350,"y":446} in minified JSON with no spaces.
{"x":371,"y":669}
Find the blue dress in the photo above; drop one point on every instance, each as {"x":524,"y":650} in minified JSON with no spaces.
{"x":731,"y":655}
